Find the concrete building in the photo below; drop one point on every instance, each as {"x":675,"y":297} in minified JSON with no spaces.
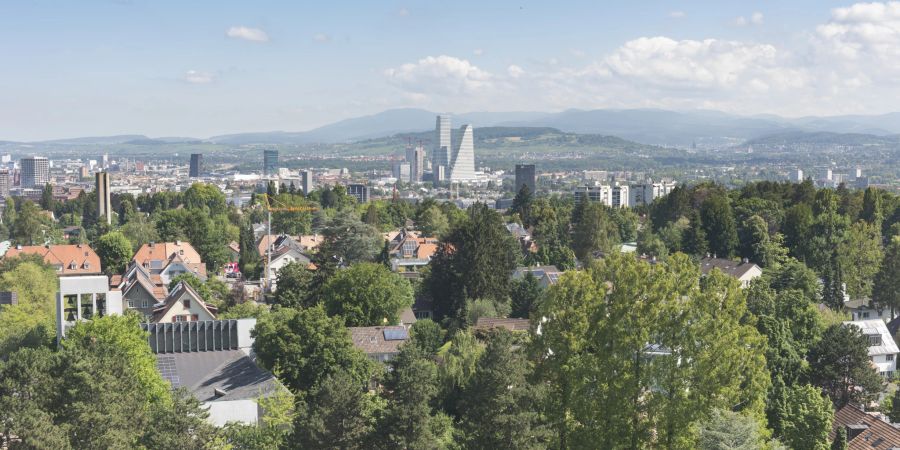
{"x":35,"y":171}
{"x":5,"y":183}
{"x":83,"y":297}
{"x":441,"y":156}
{"x":196,"y":165}
{"x":462,"y":161}
{"x":416,"y":159}
{"x":306,"y":181}
{"x":645,"y":193}
{"x":613,"y":196}
{"x":270,"y":162}
{"x":798,"y":176}
{"x":104,"y":204}
{"x":360,"y":191}
{"x":402,"y":171}
{"x":525,"y":176}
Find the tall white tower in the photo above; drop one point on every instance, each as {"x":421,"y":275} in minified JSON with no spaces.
{"x":462,"y":163}
{"x":441,"y":156}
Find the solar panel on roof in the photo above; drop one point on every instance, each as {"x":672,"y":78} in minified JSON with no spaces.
{"x":396,"y":334}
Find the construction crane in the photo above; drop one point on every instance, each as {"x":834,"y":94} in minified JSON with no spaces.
{"x":278,"y":207}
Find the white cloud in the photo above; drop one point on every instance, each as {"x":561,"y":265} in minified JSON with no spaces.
{"x":677,"y":14}
{"x":756,"y":18}
{"x":443,"y":74}
{"x":247,"y":34}
{"x":321,"y":37}
{"x":514,"y":71}
{"x":198,"y":77}
{"x":478,"y":52}
{"x":863,"y":31}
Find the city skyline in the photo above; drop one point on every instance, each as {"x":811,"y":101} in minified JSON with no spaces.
{"x":198,"y":70}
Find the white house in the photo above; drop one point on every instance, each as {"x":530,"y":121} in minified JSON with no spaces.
{"x":744,"y":271}
{"x":882,"y":348}
{"x":862,"y":309}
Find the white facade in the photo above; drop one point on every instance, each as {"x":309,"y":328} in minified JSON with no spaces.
{"x":882,"y":348}
{"x":82,"y":298}
{"x":645,"y":193}
{"x":462,"y":162}
{"x":442,"y":147}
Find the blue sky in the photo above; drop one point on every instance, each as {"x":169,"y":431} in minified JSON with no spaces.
{"x":200,"y":68}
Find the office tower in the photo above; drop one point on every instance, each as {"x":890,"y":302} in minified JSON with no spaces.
{"x":270,"y":162}
{"x":417,"y":164}
{"x":104,"y":206}
{"x":799,"y":176}
{"x":462,"y":161}
{"x":858,"y":172}
{"x":441,"y":156}
{"x":104,"y":161}
{"x":35,"y":171}
{"x":306,"y":181}
{"x":826,"y":175}
{"x":401,"y":171}
{"x":196,"y":165}
{"x":360,"y":191}
{"x":524,"y":176}
{"x":4,"y":183}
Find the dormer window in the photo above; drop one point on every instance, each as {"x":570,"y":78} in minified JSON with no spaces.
{"x":86,"y":265}
{"x":72,"y":265}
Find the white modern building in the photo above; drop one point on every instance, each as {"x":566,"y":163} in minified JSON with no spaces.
{"x":441,"y":156}
{"x":882,"y":348}
{"x":645,"y":193}
{"x":462,"y":161}
{"x":613,"y":196}
{"x":83,"y":297}
{"x":35,"y":171}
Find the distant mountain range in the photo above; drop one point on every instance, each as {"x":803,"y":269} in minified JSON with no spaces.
{"x":647,"y":126}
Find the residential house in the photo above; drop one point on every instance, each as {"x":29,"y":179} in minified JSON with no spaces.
{"x":744,"y":270}
{"x":546,"y":275}
{"x":214,"y":361}
{"x":409,"y":252}
{"x":862,"y":309}
{"x":285,"y":250}
{"x":523,"y":237}
{"x":864,"y":430}
{"x":170,"y":259}
{"x":882,"y":348}
{"x":310,"y":242}
{"x":141,"y":290}
{"x":379,"y":343}
{"x":490,"y":323}
{"x":68,"y":260}
{"x":183,"y":304}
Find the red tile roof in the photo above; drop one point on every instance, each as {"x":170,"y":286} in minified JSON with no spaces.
{"x":877,"y":434}
{"x":68,"y":259}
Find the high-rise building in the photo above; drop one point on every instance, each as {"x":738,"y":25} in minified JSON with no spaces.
{"x":401,"y":171}
{"x":306,"y":181}
{"x":524,"y":177}
{"x":360,"y":191}
{"x":441,"y":156}
{"x":196,"y":165}
{"x":35,"y":171}
{"x":104,"y":206}
{"x":462,"y":161}
{"x":799,"y":176}
{"x":5,"y":183}
{"x":417,"y":164}
{"x":270,"y":162}
{"x":104,"y":161}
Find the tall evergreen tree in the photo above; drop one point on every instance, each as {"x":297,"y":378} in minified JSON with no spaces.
{"x":840,"y":366}
{"x":249,"y":260}
{"x":886,"y":286}
{"x":718,"y":223}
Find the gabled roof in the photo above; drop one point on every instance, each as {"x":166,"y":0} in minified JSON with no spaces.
{"x":487,"y":323}
{"x":375,"y":340}
{"x":877,"y":327}
{"x":232,"y":372}
{"x":78,"y":259}
{"x":736,"y":269}
{"x":163,"y":253}
{"x":874,"y":434}
{"x":160,"y":309}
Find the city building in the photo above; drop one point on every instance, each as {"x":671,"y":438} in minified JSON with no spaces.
{"x":402,"y":171}
{"x":5,"y":183}
{"x":169,"y":259}
{"x":183,"y":304}
{"x":415,"y":156}
{"x":441,"y":156}
{"x":104,"y":205}
{"x":360,"y":191}
{"x":525,"y":177}
{"x":645,"y":193}
{"x":35,"y":171}
{"x":306,"y":181}
{"x":798,"y":176}
{"x":462,"y":161}
{"x":270,"y":162}
{"x":67,"y":259}
{"x":615,"y":196}
{"x":882,"y":348}
{"x":196,"y":165}
{"x":212,"y":360}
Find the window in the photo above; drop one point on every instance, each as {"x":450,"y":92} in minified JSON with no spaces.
{"x":195,"y":317}
{"x":130,"y":303}
{"x":144,"y":303}
{"x":874,"y":340}
{"x":179,"y":319}
{"x":865,"y":315}
{"x":888,"y":357}
{"x":187,"y":304}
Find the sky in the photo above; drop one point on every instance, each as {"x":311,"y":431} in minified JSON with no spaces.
{"x":202,"y":68}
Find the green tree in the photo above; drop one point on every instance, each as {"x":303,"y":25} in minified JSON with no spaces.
{"x":840,"y":365}
{"x":295,"y":286}
{"x":808,"y":420}
{"x":593,"y":230}
{"x":212,"y":291}
{"x":797,"y":224}
{"x":367,"y":294}
{"x":695,"y":242}
{"x":727,"y":430}
{"x":249,"y":260}
{"x":475,"y":260}
{"x":30,"y":323}
{"x":718,"y":223}
{"x":500,"y":408}
{"x":115,"y":252}
{"x":840,"y":440}
{"x":432,"y":222}
{"x":139,"y":231}
{"x":337,"y":414}
{"x":524,"y":295}
{"x":201,"y":195}
{"x":427,"y":335}
{"x":31,"y":226}
{"x":408,"y":420}
{"x":303,"y":347}
{"x":859,"y":256}
{"x":48,"y":203}
{"x":349,"y":240}
{"x":9,"y":213}
{"x":521,"y":204}
{"x":886,"y":285}
{"x":872,"y":210}
{"x":651,"y":245}
{"x":894,"y":413}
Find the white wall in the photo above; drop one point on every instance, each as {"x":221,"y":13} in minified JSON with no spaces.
{"x":243,"y":411}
